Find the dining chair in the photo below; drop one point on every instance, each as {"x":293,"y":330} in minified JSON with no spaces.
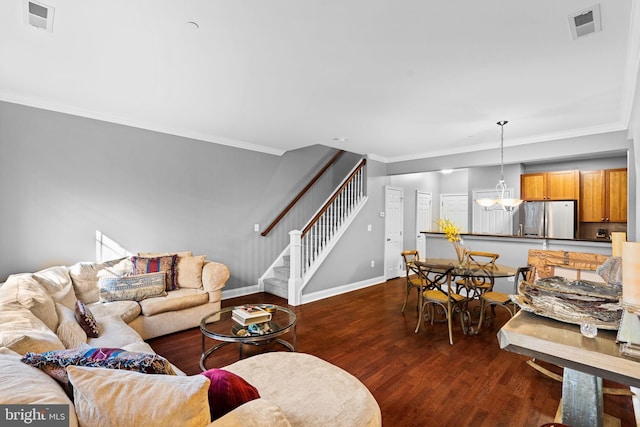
{"x":438,"y":293}
{"x":475,"y":286}
{"x":500,"y":299}
{"x":412,"y":276}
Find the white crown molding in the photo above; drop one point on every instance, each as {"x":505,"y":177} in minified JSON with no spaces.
{"x":66,"y":109}
{"x":574,"y":133}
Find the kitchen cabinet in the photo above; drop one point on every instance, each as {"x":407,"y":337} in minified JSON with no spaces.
{"x":559,"y":185}
{"x":603,"y":195}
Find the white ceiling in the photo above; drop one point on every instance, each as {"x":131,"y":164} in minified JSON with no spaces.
{"x":400,"y":79}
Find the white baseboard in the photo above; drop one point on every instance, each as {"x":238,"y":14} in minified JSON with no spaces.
{"x":326,"y":293}
{"x":314,"y":296}
{"x":240,"y":292}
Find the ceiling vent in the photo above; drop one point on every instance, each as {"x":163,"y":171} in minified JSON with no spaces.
{"x":585,"y":22}
{"x":38,"y":14}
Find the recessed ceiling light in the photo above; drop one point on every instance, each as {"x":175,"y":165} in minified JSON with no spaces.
{"x":341,"y":139}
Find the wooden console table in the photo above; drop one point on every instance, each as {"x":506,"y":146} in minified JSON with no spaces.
{"x":586,"y":361}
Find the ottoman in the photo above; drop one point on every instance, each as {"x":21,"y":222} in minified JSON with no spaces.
{"x":309,"y":390}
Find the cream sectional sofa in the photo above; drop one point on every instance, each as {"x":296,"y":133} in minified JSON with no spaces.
{"x":37,"y":314}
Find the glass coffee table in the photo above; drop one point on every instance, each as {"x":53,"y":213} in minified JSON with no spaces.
{"x":219,"y":326}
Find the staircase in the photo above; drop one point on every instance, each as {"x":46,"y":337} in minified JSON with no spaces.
{"x":308,"y":248}
{"x":279,"y":284}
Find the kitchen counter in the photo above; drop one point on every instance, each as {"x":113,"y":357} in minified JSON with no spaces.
{"x":509,"y":236}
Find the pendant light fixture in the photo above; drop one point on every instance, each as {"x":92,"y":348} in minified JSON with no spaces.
{"x":507,"y":204}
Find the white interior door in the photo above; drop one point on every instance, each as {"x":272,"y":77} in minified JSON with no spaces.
{"x":424,"y":220}
{"x":491,"y":221}
{"x":455,"y":207}
{"x":393,"y":226}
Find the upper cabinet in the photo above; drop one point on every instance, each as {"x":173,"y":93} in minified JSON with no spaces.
{"x":562,"y":185}
{"x":603,"y":195}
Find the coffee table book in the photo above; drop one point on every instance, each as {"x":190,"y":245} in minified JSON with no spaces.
{"x":250,"y":314}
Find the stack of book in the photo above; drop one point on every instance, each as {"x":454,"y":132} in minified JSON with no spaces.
{"x":250,"y":314}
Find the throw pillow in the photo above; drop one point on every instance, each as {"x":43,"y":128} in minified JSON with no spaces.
{"x":55,"y":363}
{"x":69,"y":330}
{"x":84,"y":276}
{"x":86,"y":320}
{"x":167,"y":264}
{"x":155,"y":254}
{"x":34,"y":297}
{"x":227,"y":391}
{"x":57,"y":282}
{"x":103,"y":397}
{"x":132,"y":288}
{"x":189,"y":271}
{"x":21,"y":331}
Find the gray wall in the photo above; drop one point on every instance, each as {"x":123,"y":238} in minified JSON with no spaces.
{"x":63,"y":177}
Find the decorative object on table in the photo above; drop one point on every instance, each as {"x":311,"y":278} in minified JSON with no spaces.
{"x":588,"y":329}
{"x":452,"y":233}
{"x":617,"y":238}
{"x":250,"y":314}
{"x":506,"y":203}
{"x":260,"y":328}
{"x":631,"y":275}
{"x":254,"y":329}
{"x":578,"y":301}
{"x":629,"y":334}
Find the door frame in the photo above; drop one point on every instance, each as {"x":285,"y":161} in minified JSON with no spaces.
{"x":400,"y":269}
{"x":420,"y":238}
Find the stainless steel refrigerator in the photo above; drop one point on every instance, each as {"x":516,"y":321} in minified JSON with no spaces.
{"x":556,"y":219}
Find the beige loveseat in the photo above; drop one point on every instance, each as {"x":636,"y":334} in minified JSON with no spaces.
{"x":37,"y":315}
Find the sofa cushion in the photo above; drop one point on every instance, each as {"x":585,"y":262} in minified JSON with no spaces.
{"x":86,"y":320}
{"x":167,"y":264}
{"x":55,"y":363}
{"x":132,"y":288}
{"x":69,"y":330}
{"x":189,"y":271}
{"x":22,"y":331}
{"x":57,"y":282}
{"x":256,"y":413}
{"x":138,"y":399}
{"x":23,"y":384}
{"x":175,"y":300}
{"x":114,"y":333}
{"x":227,"y":391}
{"x":84,"y":277}
{"x":127,"y":310}
{"x":32,"y":296}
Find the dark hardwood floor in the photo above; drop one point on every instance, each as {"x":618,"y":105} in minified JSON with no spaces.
{"x":417,"y":379}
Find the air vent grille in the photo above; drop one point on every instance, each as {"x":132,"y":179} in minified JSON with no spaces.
{"x":38,"y":14}
{"x":585,"y":22}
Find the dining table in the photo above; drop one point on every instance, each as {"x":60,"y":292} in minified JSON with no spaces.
{"x":469,"y":272}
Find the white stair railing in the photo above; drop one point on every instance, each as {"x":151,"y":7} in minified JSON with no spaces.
{"x":309,"y":246}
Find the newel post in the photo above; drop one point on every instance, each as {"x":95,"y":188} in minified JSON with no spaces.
{"x":295,"y":266}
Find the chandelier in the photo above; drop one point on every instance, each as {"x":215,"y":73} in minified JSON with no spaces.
{"x":507,"y":204}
